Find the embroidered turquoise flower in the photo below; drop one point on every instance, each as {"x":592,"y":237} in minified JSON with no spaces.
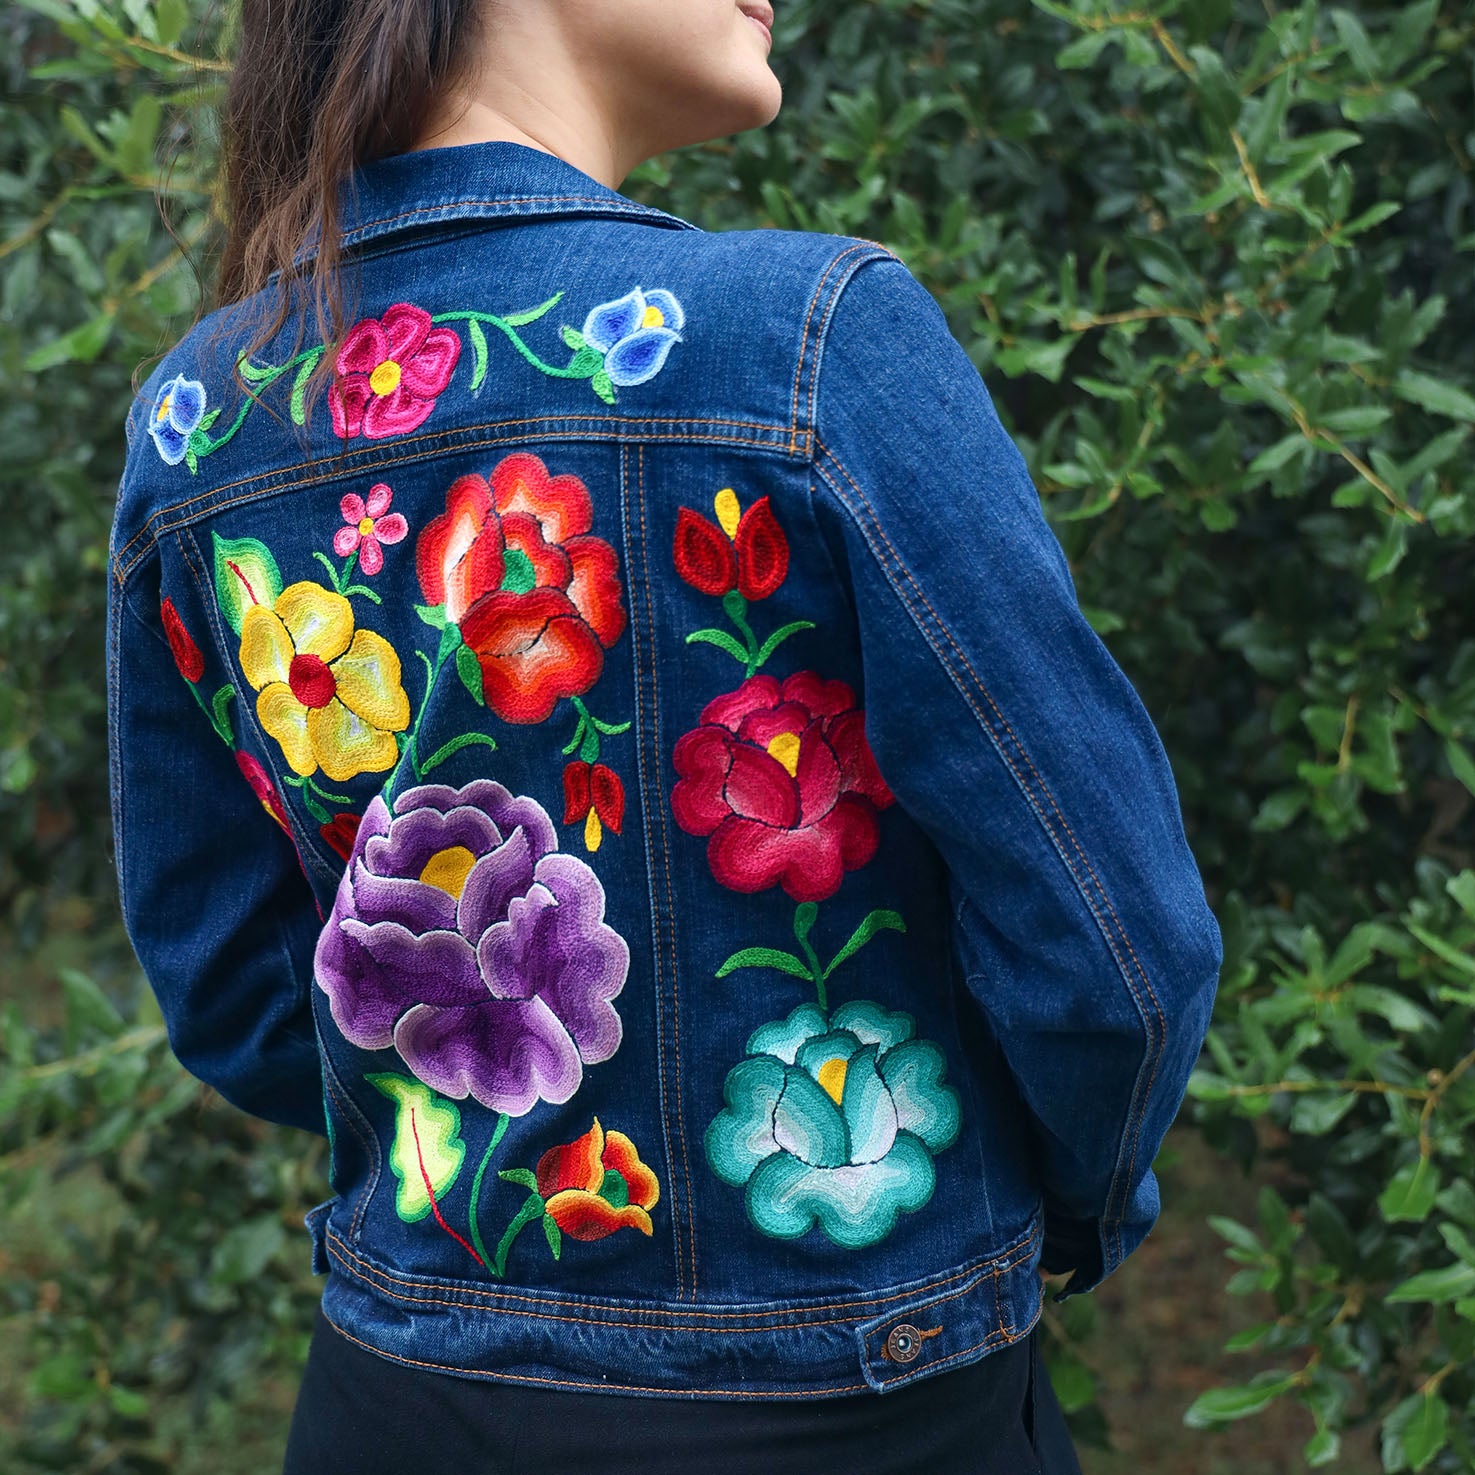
{"x":832,"y":1122}
{"x":635,"y":333}
{"x":178,"y":410}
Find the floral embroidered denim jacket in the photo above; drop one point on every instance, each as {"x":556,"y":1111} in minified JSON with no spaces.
{"x":628,"y":764}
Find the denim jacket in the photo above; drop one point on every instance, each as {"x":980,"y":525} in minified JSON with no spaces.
{"x":627,"y":764}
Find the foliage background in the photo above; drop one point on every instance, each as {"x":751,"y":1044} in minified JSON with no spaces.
{"x":1214,"y":259}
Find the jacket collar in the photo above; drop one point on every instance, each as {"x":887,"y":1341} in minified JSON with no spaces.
{"x":496,"y":179}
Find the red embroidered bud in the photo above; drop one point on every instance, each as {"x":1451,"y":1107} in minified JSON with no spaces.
{"x":762,"y":551}
{"x":340,"y":832}
{"x":261,"y":786}
{"x":703,"y":553}
{"x":575,"y":791}
{"x":607,"y":794}
{"x":186,"y":653}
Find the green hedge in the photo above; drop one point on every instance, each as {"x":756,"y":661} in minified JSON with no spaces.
{"x":1215,"y":262}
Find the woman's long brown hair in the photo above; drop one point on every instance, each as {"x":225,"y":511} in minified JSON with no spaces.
{"x":319,"y":87}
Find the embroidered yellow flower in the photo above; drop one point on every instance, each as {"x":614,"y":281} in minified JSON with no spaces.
{"x":329,"y":694}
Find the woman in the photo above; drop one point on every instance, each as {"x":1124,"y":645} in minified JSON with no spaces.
{"x":646,"y":789}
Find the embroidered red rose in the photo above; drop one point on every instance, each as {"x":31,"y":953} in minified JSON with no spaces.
{"x":390,"y":370}
{"x":536,"y":596}
{"x":186,"y":653}
{"x":596,"y":1185}
{"x":744,"y":551}
{"x":594,"y":793}
{"x":782,"y":779}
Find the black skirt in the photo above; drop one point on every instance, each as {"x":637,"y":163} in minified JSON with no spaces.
{"x":361,"y":1414}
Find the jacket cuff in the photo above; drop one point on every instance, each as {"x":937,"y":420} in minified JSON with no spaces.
{"x":1091,"y":1248}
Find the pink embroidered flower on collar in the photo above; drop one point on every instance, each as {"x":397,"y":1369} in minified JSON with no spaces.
{"x":368,"y":524}
{"x":390,"y":370}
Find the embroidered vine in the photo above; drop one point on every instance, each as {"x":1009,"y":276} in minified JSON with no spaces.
{"x":391,"y":370}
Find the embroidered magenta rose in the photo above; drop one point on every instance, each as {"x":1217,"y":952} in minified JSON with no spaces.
{"x":462,"y":937}
{"x":390,"y":370}
{"x":780,"y":776}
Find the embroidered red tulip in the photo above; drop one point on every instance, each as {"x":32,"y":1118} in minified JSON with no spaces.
{"x":594,"y":795}
{"x":743,"y":556}
{"x":780,"y":777}
{"x":190,"y":661}
{"x":340,"y":833}
{"x":368,"y":526}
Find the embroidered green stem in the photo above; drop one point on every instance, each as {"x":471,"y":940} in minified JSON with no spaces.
{"x":585,"y":363}
{"x":587,"y":733}
{"x":340,"y":580}
{"x":533,"y":1209}
{"x":748,"y":651}
{"x":450,"y":638}
{"x":809,"y":967}
{"x":430,"y":1193}
{"x":216,"y":712}
{"x":476,"y":1182}
{"x":201,"y":443}
{"x":311,"y":787}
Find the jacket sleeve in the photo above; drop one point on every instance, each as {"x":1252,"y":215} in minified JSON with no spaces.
{"x":1007,"y":730}
{"x":215,"y":901}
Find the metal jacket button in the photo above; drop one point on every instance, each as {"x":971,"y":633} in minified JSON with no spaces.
{"x":904,"y":1344}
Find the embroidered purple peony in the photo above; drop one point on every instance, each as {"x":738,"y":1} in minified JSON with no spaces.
{"x":462,"y":937}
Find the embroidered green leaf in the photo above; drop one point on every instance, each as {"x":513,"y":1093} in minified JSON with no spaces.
{"x":434,"y":615}
{"x":804,"y":915}
{"x":722,"y":640}
{"x":245,"y":574}
{"x":209,"y":419}
{"x":586,"y":362}
{"x":364,"y":590}
{"x":589,"y":752}
{"x":869,"y":927}
{"x":571,"y":336}
{"x":765,"y":957}
{"x":778,"y":637}
{"x":468,"y":668}
{"x":517,"y":319}
{"x":553,"y":1234}
{"x":479,"y":351}
{"x":190,"y":459}
{"x":255,"y":373}
{"x":525,"y":1176}
{"x":454,"y":746}
{"x":603,"y":386}
{"x":575,"y":740}
{"x":222,"y":717}
{"x":610,"y":729}
{"x":315,"y":809}
{"x":518,"y":574}
{"x":299,"y":386}
{"x":327,"y":563}
{"x":428,"y":1150}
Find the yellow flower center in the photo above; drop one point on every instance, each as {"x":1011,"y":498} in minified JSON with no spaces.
{"x":366,"y":526}
{"x":385,"y":378}
{"x":164,"y":406}
{"x":785,"y":747}
{"x":449,"y":869}
{"x":728,"y":511}
{"x":832,"y":1078}
{"x":653,"y":318}
{"x":593,"y":831}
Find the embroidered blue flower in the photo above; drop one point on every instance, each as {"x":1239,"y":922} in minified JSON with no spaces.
{"x":635,"y":333}
{"x":178,"y":409}
{"x":832,"y":1122}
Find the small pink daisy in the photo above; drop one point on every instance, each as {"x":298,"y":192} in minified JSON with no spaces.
{"x":367,"y":527}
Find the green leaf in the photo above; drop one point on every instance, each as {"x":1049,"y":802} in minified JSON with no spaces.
{"x":553,"y":1234}
{"x":1434,"y":395}
{"x":603,"y":386}
{"x":1224,"y":1405}
{"x":479,"y":353}
{"x":524,"y":1176}
{"x":1415,"y":1431}
{"x":722,"y":640}
{"x":247,"y":1249}
{"x":1410,"y":1195}
{"x":873,"y":923}
{"x":81,"y":345}
{"x":571,"y":337}
{"x":427,"y":1143}
{"x":778,"y":637}
{"x":454,"y":746}
{"x":519,"y":319}
{"x":245,"y":574}
{"x":433,"y":615}
{"x":219,"y":707}
{"x":1447,"y":1284}
{"x":298,"y":405}
{"x":468,"y":668}
{"x":765,"y":957}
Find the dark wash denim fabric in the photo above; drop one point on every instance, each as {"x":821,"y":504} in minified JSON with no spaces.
{"x":631,"y":768}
